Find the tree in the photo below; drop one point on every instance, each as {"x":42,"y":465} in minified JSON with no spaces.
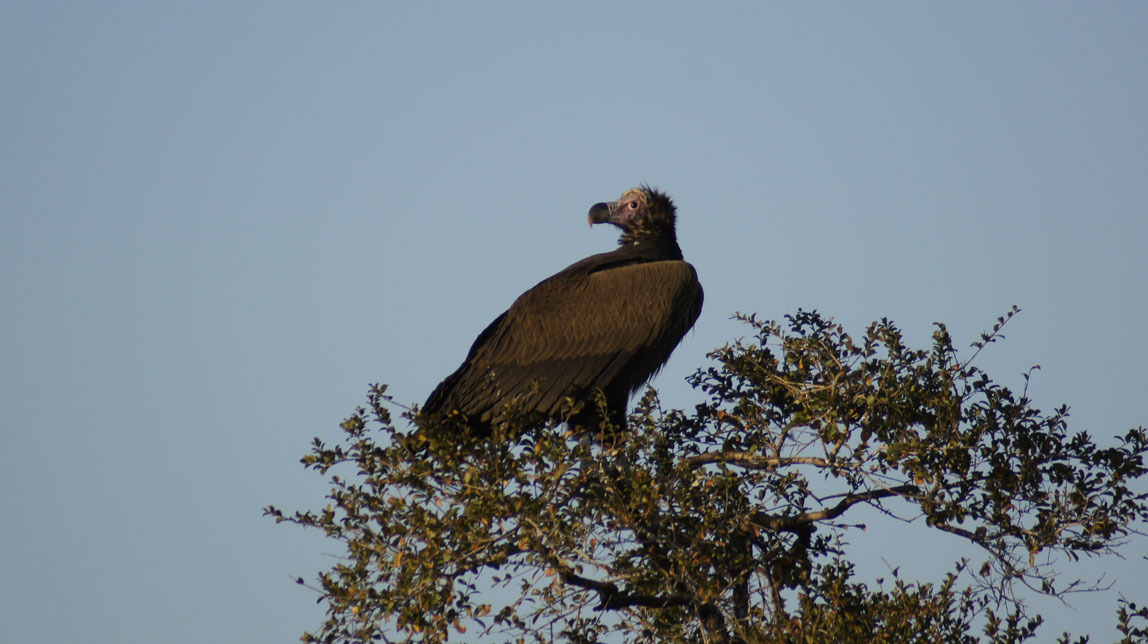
{"x":727,"y":524}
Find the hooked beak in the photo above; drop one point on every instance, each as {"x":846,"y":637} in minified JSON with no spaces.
{"x":602,"y":213}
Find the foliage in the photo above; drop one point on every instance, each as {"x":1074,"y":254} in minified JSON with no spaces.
{"x":725,"y":524}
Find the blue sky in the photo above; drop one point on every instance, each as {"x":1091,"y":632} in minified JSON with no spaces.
{"x":220,"y":221}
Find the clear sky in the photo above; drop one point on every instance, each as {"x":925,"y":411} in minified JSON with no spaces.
{"x":219,"y":221}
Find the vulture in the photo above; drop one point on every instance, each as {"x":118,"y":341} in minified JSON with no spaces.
{"x":604,"y":324}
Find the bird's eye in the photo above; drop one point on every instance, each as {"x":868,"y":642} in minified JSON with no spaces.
{"x":633,"y":205}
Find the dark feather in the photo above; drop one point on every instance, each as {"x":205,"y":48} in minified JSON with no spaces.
{"x":607,"y":323}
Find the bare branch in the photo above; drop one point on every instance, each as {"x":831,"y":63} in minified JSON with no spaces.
{"x":771,"y":522}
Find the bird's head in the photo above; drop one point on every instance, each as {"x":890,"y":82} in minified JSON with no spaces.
{"x":642,"y":213}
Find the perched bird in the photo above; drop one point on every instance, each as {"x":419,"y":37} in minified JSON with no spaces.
{"x":607,"y":323}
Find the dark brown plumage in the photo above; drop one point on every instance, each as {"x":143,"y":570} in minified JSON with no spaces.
{"x":607,"y":323}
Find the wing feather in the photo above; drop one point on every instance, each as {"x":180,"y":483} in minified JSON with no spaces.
{"x":578,"y":331}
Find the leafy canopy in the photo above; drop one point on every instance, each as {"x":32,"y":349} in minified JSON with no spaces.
{"x":726,"y":524}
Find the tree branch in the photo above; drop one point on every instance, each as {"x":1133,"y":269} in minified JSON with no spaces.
{"x":611,"y":598}
{"x":774,"y":522}
{"x":750,"y":460}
